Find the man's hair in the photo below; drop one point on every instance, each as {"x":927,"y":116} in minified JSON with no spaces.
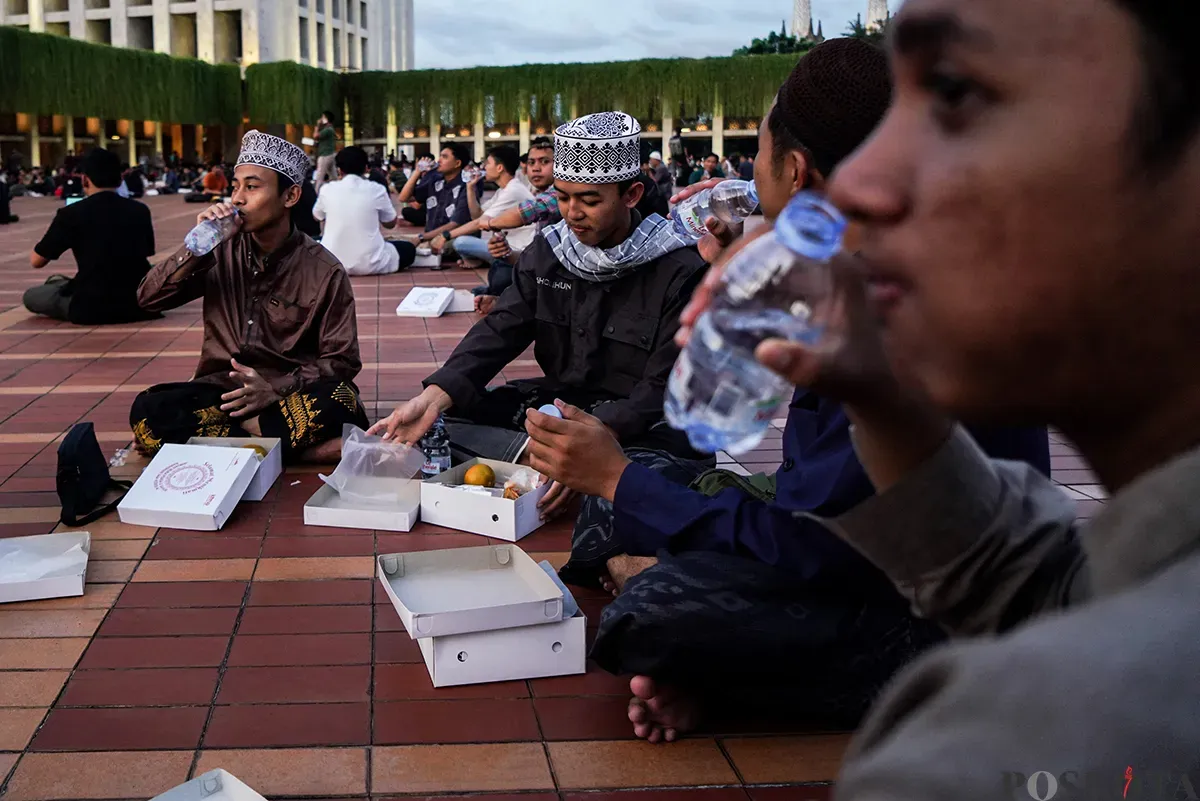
{"x":329,"y":116}
{"x":460,"y":152}
{"x":507,"y":157}
{"x":833,"y":99}
{"x":541,"y":143}
{"x":711,"y":156}
{"x":351,"y":160}
{"x":283,"y":182}
{"x":1167,"y":117}
{"x":102,"y":167}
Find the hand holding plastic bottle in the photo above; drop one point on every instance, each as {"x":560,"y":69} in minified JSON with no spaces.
{"x":214,"y":225}
{"x":720,"y":234}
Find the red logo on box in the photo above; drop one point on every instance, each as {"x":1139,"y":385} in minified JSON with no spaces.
{"x":184,"y":478}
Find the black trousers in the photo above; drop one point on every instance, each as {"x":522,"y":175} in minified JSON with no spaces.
{"x":415,"y":217}
{"x":173,"y":413}
{"x":407,"y":251}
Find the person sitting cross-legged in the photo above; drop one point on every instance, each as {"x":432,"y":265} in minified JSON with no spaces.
{"x":733,"y":594}
{"x":352,"y":209}
{"x":280,"y":348}
{"x":598,"y":295}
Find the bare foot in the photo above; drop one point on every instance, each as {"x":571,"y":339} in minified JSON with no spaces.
{"x":326,"y":453}
{"x":660,"y":713}
{"x":622,"y":568}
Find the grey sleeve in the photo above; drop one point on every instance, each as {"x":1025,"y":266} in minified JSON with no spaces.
{"x":975,"y":545}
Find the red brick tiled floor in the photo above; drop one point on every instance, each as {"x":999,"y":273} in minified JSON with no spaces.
{"x":264,"y":648}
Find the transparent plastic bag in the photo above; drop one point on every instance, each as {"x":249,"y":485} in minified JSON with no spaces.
{"x":372,"y":470}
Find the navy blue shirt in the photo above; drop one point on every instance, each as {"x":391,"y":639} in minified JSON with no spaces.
{"x":445,"y":201}
{"x":820,"y":474}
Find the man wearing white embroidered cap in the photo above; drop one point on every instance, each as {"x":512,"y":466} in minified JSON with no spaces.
{"x":598,"y":295}
{"x":280,"y":349}
{"x":661,"y":175}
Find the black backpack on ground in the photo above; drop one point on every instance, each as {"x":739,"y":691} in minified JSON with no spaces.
{"x":83,"y":477}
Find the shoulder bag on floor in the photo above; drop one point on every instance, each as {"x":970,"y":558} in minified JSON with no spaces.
{"x":83,"y":477}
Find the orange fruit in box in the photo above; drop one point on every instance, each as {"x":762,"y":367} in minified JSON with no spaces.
{"x":480,"y":475}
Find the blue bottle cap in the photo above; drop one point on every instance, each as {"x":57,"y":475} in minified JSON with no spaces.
{"x":811,"y":226}
{"x":551,"y":410}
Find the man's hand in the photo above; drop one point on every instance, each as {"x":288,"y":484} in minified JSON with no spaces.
{"x":484,"y":223}
{"x":255,"y":395}
{"x":498,"y":247}
{"x":578,"y":451}
{"x":484,"y":304}
{"x":411,"y":419}
{"x":437,"y":244}
{"x":218,"y":211}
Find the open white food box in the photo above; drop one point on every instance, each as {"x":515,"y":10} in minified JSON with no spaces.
{"x":216,"y":785}
{"x":43,"y":566}
{"x":190,"y":487}
{"x":327,"y":508}
{"x":443,"y":503}
{"x":269,"y":469}
{"x":484,"y":614}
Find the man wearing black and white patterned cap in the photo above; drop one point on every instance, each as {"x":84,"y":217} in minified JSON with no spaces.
{"x":280,"y":349}
{"x":598,"y":294}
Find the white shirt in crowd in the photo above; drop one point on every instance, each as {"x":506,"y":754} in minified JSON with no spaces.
{"x":507,"y":198}
{"x":352,"y":209}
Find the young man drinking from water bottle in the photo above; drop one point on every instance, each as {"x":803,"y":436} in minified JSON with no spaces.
{"x":280,"y":349}
{"x":726,"y":596}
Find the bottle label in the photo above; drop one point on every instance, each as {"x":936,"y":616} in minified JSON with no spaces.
{"x":435,"y":465}
{"x":693,"y":221}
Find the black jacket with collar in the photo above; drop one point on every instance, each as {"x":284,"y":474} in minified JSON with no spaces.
{"x":614,"y":338}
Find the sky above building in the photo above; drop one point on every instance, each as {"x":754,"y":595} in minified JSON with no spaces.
{"x":468,"y":33}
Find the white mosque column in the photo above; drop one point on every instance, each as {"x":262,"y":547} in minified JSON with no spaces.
{"x":668,"y":128}
{"x":479,"y":141}
{"x":35,"y":142}
{"x":131,"y":138}
{"x":347,"y":127}
{"x":718,"y":126}
{"x":158,"y":139}
{"x":393,"y":132}
{"x":523,"y":135}
{"x":69,"y":133}
{"x":435,"y":130}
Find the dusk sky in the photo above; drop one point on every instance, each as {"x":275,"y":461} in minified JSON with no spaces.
{"x":467,"y":33}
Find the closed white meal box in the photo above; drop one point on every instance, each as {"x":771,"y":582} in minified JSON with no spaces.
{"x":461,"y":590}
{"x":269,"y":468}
{"x":190,"y":487}
{"x":360,"y":508}
{"x":529,"y":652}
{"x":444,"y":504}
{"x":216,"y":785}
{"x":43,"y":566}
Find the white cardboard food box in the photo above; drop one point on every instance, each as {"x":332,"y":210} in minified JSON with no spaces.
{"x":423,"y":301}
{"x":190,"y":487}
{"x":216,"y":785}
{"x":464,"y":301}
{"x":462,"y":590}
{"x":327,"y":508}
{"x":269,"y":469}
{"x":530,"y":652}
{"x":43,"y":566}
{"x":443,"y":505}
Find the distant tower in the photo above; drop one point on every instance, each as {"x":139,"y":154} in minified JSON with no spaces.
{"x":877,"y":14}
{"x":802,"y":24}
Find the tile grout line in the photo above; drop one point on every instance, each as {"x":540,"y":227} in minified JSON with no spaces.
{"x":71,"y":673}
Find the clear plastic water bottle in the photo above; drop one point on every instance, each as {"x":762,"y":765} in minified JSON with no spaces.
{"x":436,"y":447}
{"x":774,"y":287}
{"x":729,"y":201}
{"x":205,"y":237}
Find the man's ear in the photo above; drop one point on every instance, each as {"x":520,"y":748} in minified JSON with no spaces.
{"x":633,"y":195}
{"x":291,"y":196}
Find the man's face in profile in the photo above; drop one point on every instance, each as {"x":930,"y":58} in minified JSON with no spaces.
{"x":1020,"y":257}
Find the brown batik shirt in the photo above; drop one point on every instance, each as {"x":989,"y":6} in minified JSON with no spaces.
{"x":288,"y":314}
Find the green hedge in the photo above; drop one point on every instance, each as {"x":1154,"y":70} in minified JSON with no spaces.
{"x":287,"y":92}
{"x":643,"y":88}
{"x":45,"y":74}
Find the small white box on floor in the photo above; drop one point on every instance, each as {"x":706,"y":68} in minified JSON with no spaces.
{"x":461,"y":590}
{"x":269,"y":468}
{"x":444,"y":505}
{"x":192,"y":487}
{"x":424,"y":301}
{"x":327,"y":508}
{"x":464,"y":301}
{"x":43,"y":566}
{"x":216,"y":785}
{"x":530,"y":652}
